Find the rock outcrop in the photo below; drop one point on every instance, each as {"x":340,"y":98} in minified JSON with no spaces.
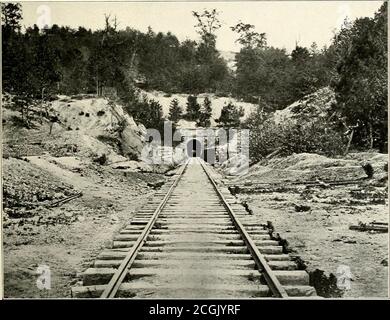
{"x":97,"y":117}
{"x":312,"y":106}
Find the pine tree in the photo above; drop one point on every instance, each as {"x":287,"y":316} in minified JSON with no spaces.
{"x":193,"y":108}
{"x":11,"y":16}
{"x":230,"y":116}
{"x":153,"y":118}
{"x":204,"y":120}
{"x":175,"y":111}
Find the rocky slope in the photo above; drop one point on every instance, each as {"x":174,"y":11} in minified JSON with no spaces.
{"x":316,"y":105}
{"x":97,"y":117}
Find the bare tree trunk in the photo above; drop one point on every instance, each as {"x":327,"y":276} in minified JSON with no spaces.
{"x":42,"y":106}
{"x":27,"y":120}
{"x":107,"y":21}
{"x":132,"y":59}
{"x":115,"y":24}
{"x":227,"y":145}
{"x":371,"y":135}
{"x":349,"y":141}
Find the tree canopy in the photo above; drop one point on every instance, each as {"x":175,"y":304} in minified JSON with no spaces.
{"x":361,"y":81}
{"x":61,"y":60}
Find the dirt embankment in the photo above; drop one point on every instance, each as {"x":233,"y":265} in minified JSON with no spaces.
{"x":65,"y":238}
{"x":315,"y":217}
{"x":81,"y":161}
{"x":85,"y":126}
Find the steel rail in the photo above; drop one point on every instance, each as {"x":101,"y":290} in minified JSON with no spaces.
{"x":120,"y":274}
{"x":273,"y":283}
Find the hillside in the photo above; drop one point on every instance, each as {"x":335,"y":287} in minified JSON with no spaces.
{"x":230,"y":58}
{"x":86,"y":126}
{"x":217,"y":103}
{"x":65,"y":193}
{"x":315,"y":105}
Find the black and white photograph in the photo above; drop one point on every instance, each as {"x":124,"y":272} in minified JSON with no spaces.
{"x":194,"y":150}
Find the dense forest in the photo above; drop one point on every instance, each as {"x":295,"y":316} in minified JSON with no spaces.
{"x":60,"y":60}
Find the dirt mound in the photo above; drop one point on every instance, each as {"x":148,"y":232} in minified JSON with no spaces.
{"x":312,"y":106}
{"x":131,"y":165}
{"x":310,"y":166}
{"x":88,"y":126}
{"x":88,"y":115}
{"x":75,"y":143}
{"x":26,"y":187}
{"x":372,"y":157}
{"x":96,"y":117}
{"x":303,"y":161}
{"x":236,"y":165}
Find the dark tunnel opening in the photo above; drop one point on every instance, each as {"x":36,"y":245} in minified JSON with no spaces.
{"x":194,"y":148}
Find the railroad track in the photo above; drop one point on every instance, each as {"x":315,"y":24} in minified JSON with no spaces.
{"x":193,"y":240}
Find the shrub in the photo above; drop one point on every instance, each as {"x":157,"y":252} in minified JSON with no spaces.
{"x":230,"y":116}
{"x":368,"y":169}
{"x":19,"y":122}
{"x":100,"y":113}
{"x":292,"y":137}
{"x":192,"y":108}
{"x":133,"y":156}
{"x":102,"y":160}
{"x":112,"y":141}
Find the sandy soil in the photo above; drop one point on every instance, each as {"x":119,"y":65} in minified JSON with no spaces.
{"x":68,"y":238}
{"x":41,"y":168}
{"x":321,"y":235}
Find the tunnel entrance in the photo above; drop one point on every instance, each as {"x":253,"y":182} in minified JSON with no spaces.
{"x":194,"y":148}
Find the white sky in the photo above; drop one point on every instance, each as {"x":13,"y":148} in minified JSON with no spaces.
{"x":284,"y":22}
